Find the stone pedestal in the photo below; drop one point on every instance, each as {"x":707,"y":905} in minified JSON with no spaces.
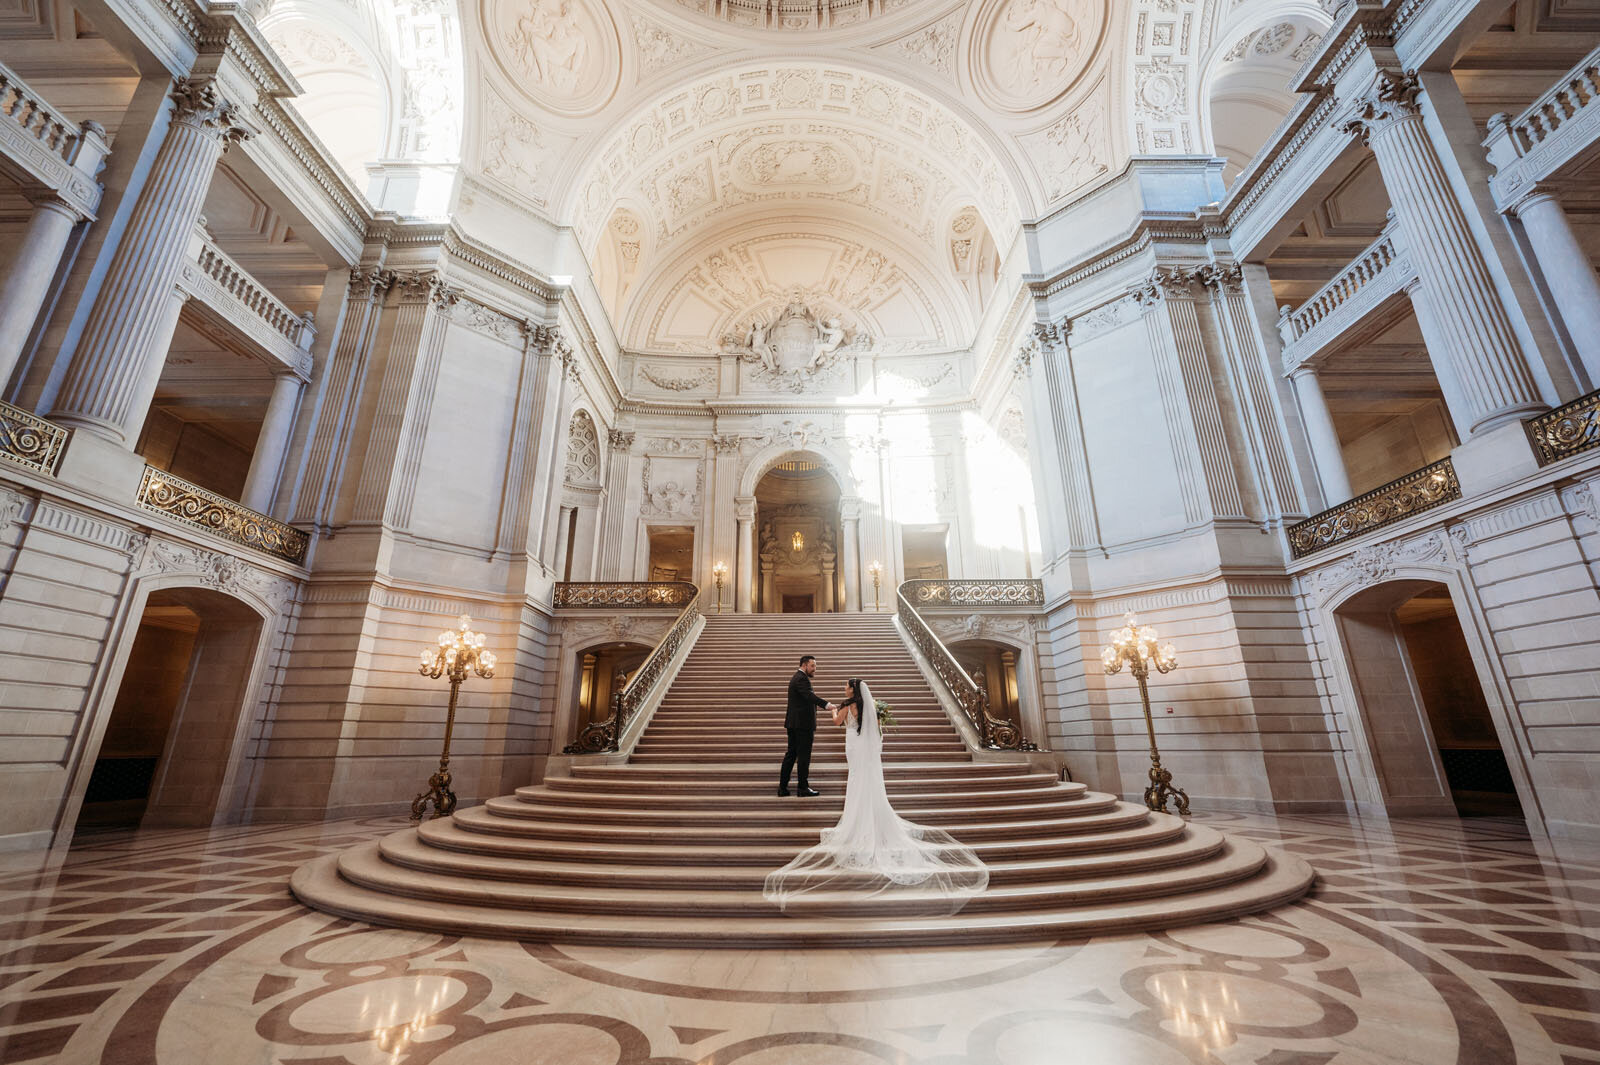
{"x":125,"y":342}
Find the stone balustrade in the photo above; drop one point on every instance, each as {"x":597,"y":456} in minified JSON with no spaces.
{"x":30,"y":441}
{"x":1558,"y":127}
{"x":603,"y":737}
{"x":1420,"y":490}
{"x":244,"y":304}
{"x":182,"y":501}
{"x":54,"y":151}
{"x":1377,"y":274}
{"x":993,"y":732}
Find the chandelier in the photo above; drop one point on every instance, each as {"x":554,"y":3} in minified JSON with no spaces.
{"x":798,"y":541}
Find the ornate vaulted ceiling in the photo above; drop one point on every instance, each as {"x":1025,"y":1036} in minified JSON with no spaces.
{"x":718,"y":157}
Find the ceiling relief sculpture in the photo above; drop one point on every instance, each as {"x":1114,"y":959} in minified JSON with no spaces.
{"x":794,"y":14}
{"x":788,"y":349}
{"x":563,"y":54}
{"x":791,"y":131}
{"x":1028,"y":53}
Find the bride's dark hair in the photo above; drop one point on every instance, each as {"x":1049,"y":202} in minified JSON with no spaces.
{"x":861,"y":708}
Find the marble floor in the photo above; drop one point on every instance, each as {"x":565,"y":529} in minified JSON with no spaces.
{"x":1437,"y":942}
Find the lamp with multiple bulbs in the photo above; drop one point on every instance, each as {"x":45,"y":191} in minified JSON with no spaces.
{"x":719,"y":573}
{"x":876,"y":569}
{"x":459,"y":652}
{"x":1139,"y":648}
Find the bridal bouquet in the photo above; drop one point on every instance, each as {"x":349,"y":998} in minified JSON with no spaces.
{"x":886,"y":718}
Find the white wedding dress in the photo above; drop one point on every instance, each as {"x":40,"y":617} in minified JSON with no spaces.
{"x":873,"y":851}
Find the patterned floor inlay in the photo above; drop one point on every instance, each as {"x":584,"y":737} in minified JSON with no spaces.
{"x":1430,"y":942}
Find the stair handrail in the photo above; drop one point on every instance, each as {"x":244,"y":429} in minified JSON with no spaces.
{"x":995,"y":733}
{"x":605,"y":737}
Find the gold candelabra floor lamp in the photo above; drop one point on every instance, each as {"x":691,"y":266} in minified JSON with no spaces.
{"x":459,"y":652}
{"x":1136,"y":646}
{"x":876,"y":569}
{"x":720,"y":573}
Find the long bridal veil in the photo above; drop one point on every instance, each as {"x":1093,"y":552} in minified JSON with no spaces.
{"x":873,"y":852}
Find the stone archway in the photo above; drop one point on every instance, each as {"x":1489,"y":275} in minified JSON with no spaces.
{"x":1431,"y":738}
{"x":798,"y":535}
{"x":168,"y":751}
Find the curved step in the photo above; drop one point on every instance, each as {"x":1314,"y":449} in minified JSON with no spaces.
{"x":1278,"y":879}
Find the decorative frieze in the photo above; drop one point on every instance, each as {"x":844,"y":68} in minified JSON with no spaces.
{"x":1377,"y":563}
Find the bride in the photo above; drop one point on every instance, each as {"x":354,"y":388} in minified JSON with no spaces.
{"x":873,"y":851}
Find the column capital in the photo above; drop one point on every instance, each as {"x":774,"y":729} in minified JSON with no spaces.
{"x":197,"y":103}
{"x":1392,"y":97}
{"x":371,"y":283}
{"x":1224,"y":277}
{"x":850,"y":509}
{"x":725,"y":443}
{"x":620,"y":440}
{"x":744,"y":508}
{"x":419,"y":286}
{"x":1533,"y":196}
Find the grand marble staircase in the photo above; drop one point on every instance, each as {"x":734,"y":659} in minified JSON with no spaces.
{"x":671,"y":849}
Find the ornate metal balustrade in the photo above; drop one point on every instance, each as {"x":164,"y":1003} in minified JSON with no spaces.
{"x":600,"y":594}
{"x":975,"y":593}
{"x":1414,"y":493}
{"x":993,"y":732}
{"x":30,"y":441}
{"x":600,"y":737}
{"x":1566,"y":430}
{"x":189,"y":503}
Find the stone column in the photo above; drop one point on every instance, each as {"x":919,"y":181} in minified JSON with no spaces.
{"x":125,"y":341}
{"x":744,"y":512}
{"x":563,"y":539}
{"x":826,"y":606}
{"x":267,"y":461}
{"x":1322,"y":436}
{"x":1568,"y":272}
{"x":850,"y":520}
{"x":23,"y":292}
{"x":1472,"y":344}
{"x":613,"y":518}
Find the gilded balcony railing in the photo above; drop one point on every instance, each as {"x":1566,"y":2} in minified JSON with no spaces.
{"x":1566,"y":430}
{"x":993,"y":732}
{"x":602,"y":594}
{"x":176,"y":498}
{"x":1414,"y":493}
{"x":601,"y":737}
{"x":30,"y":441}
{"x":1026,"y":592}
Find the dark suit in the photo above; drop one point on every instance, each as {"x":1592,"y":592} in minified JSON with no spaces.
{"x":800,"y":721}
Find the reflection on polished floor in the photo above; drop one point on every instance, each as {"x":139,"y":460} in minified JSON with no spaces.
{"x":1458,"y":943}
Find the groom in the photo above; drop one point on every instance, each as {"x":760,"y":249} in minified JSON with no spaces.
{"x":800,"y":721}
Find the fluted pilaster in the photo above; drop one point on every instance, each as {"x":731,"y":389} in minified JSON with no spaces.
{"x":1480,"y":365}
{"x":125,"y":341}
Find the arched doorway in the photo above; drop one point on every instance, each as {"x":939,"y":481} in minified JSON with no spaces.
{"x":165,"y":755}
{"x":603,"y":671}
{"x":1429,"y":730}
{"x":993,"y":666}
{"x":797,"y":518}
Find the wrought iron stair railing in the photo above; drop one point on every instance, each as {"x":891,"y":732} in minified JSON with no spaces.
{"x":995,"y":733}
{"x":605,"y":737}
{"x":1567,"y":430}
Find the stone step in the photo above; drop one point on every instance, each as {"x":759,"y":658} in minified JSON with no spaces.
{"x":686,"y":795}
{"x":320,"y":884}
{"x":1163,"y":846}
{"x":1127,"y":834}
{"x":810,"y":815}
